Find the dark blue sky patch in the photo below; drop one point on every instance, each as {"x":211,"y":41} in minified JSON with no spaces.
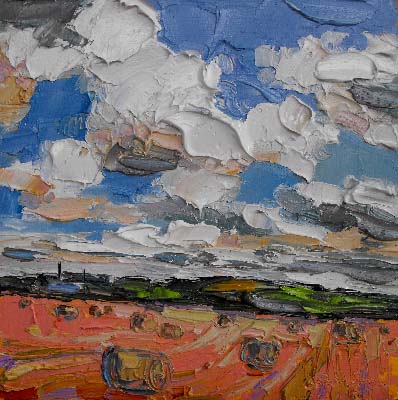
{"x":58,"y":110}
{"x":202,"y":25}
{"x":352,"y":156}
{"x":120,"y":189}
{"x":260,"y":180}
{"x":239,"y":97}
{"x":9,"y":205}
{"x":241,"y":90}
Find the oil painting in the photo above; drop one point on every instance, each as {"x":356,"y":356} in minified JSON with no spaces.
{"x":198,"y":199}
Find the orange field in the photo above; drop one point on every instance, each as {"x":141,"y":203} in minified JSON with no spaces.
{"x":53,"y":350}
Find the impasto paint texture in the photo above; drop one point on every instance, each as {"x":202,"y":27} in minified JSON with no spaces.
{"x":199,"y":199}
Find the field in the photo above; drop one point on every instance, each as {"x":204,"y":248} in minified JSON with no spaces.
{"x":53,"y":349}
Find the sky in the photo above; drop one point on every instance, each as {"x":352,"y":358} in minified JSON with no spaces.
{"x":226,"y":33}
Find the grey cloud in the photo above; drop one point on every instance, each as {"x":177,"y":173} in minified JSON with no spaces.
{"x":371,"y":220}
{"x":48,"y":17}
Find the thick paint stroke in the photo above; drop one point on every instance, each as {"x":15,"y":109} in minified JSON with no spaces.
{"x":232,"y":30}
{"x":335,"y":12}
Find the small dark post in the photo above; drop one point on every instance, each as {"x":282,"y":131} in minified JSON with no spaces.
{"x":84,"y":281}
{"x":59,"y":270}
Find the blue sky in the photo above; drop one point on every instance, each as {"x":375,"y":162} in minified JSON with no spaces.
{"x":59,"y":109}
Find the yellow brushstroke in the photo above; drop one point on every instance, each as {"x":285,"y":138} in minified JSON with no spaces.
{"x":46,"y":364}
{"x":34,"y":330}
{"x":235,"y":285}
{"x":393,"y":392}
{"x":189,"y":315}
{"x":301,"y":383}
{"x":251,"y":242}
{"x":393,"y":363}
{"x":72,"y":256}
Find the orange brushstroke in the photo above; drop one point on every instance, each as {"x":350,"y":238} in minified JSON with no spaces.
{"x":124,"y":214}
{"x":66,"y":209}
{"x":15,"y":93}
{"x":166,"y":140}
{"x":252,"y":242}
{"x":349,"y":239}
{"x":270,"y":157}
{"x":21,"y":180}
{"x":72,"y":256}
{"x":243,"y":285}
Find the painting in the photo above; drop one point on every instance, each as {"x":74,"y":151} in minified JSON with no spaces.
{"x":198,"y":199}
